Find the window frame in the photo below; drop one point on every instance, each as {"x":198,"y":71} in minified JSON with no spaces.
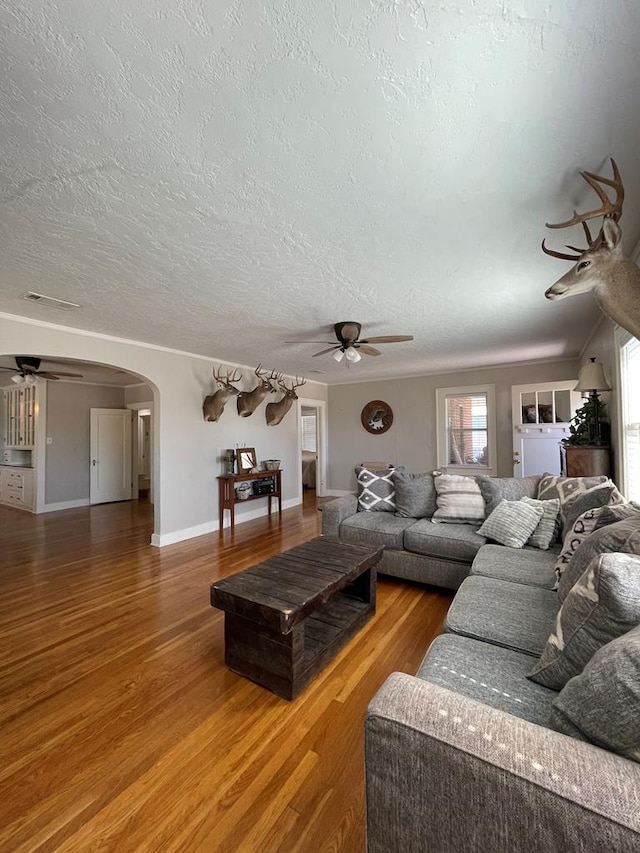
{"x":490,"y":469}
{"x":622,"y":339}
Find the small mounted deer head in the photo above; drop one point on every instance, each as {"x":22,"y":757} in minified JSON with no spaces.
{"x":248,"y":401}
{"x":214,"y":404}
{"x":602,"y":267}
{"x":275,"y":412}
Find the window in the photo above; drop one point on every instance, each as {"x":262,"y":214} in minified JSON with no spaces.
{"x":466,"y":429}
{"x":309,"y":432}
{"x":629,"y":359}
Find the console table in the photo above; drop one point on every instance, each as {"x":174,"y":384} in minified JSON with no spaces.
{"x":227,"y":492}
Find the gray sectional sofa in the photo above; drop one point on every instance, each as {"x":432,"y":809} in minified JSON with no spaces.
{"x":471,"y":755}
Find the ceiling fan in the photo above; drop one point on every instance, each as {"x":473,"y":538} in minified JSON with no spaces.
{"x":351,"y":346}
{"x":28,"y":367}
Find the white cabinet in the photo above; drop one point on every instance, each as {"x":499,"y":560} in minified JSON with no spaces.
{"x":16,"y":487}
{"x":20,"y":416}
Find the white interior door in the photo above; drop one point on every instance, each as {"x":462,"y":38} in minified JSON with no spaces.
{"x":110,"y":455}
{"x":540,"y":415}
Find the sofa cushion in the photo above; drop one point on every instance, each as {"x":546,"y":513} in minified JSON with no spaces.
{"x":622,"y":536}
{"x":603,"y":604}
{"x":375,"y":490}
{"x":451,"y":541}
{"x":617,"y":512}
{"x":602,"y":704}
{"x":496,"y":489}
{"x":459,"y":500}
{"x":545,"y":533}
{"x":593,"y":498}
{"x":375,"y":528}
{"x":490,"y":674}
{"x":511,"y":523}
{"x":512,"y":615}
{"x":527,"y":566}
{"x":415,"y":494}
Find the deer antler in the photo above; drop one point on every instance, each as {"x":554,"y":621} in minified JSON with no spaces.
{"x":297,"y":384}
{"x":609,"y":209}
{"x":228,"y":377}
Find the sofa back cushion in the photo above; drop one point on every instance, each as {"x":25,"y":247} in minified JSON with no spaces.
{"x":496,"y":489}
{"x":459,"y":500}
{"x":375,"y":490}
{"x":415,"y":494}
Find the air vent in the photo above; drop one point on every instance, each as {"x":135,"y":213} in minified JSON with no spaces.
{"x":50,"y":301}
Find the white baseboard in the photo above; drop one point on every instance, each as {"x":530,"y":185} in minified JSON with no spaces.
{"x":63,"y":505}
{"x":159,"y":540}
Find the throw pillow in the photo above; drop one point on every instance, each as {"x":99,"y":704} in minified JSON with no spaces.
{"x":621,"y":536}
{"x":375,"y":489}
{"x":583,"y":526}
{"x":511,"y":523}
{"x":602,"y":605}
{"x":496,"y":489}
{"x":566,"y":488}
{"x":415,"y":494}
{"x":545,"y":533}
{"x":459,"y":500}
{"x":598,"y":496}
{"x":601,"y":704}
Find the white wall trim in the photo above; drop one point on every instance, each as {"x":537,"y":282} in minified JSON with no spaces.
{"x":64,"y":505}
{"x":159,"y":541}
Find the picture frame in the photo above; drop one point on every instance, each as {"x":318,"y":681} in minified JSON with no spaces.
{"x":246,"y":459}
{"x":376,"y":417}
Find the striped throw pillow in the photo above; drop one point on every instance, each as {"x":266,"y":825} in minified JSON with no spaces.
{"x":459,"y":500}
{"x":512,"y":523}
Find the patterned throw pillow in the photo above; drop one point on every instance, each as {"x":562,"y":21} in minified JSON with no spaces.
{"x":459,"y":500}
{"x":582,"y":527}
{"x":601,"y":704}
{"x":415,"y":494}
{"x":512,"y":523}
{"x":566,"y":489}
{"x":618,"y":512}
{"x":602,"y":495}
{"x":602,"y":605}
{"x":375,"y":489}
{"x":545,"y":533}
{"x":621,"y":536}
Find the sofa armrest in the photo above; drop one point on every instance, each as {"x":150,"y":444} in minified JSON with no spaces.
{"x":334,"y":513}
{"x":447,"y":773}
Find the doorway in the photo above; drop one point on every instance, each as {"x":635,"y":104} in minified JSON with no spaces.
{"x":312,"y":433}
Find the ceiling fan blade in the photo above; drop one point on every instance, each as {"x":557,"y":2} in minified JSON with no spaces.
{"x":387,"y":339}
{"x":307,"y":342}
{"x":56,"y":375}
{"x":43,"y":374}
{"x":12,"y":369}
{"x":323,"y":351}
{"x":365,"y":348}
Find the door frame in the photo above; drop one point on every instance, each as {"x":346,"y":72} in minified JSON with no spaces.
{"x":322,"y":434}
{"x":137,"y":408}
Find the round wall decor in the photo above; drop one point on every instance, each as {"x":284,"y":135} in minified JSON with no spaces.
{"x":376,"y":417}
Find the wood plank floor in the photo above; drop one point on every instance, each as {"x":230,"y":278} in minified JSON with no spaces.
{"x":121,"y":729}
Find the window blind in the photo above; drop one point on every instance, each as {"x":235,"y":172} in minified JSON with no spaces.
{"x":309,"y":433}
{"x":467,"y":429}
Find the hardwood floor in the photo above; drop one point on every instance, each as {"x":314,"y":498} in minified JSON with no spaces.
{"x":121,"y":728}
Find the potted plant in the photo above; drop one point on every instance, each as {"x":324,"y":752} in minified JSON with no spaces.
{"x":585,"y":426}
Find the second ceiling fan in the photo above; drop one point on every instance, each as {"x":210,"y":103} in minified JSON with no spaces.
{"x":351,"y":346}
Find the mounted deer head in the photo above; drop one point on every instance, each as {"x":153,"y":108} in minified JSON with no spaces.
{"x":248,"y":401}
{"x":602,"y":267}
{"x":275,"y":412}
{"x":214,"y":404}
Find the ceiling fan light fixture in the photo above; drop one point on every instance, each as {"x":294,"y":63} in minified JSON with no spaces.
{"x":338,"y":355}
{"x":18,"y":379}
{"x":353,"y":355}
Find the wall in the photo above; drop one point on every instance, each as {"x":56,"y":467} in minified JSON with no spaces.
{"x":411,"y":441}
{"x":138,"y":394}
{"x":188,"y":450}
{"x":69,"y":428}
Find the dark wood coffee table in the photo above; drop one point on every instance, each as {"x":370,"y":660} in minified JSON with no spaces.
{"x":286,"y":618}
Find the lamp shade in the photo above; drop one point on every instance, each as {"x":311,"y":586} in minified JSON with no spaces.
{"x":353,"y":355}
{"x":18,"y":379}
{"x":591,"y":378}
{"x":338,"y":355}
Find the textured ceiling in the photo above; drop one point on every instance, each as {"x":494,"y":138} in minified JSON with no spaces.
{"x":223,"y":177}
